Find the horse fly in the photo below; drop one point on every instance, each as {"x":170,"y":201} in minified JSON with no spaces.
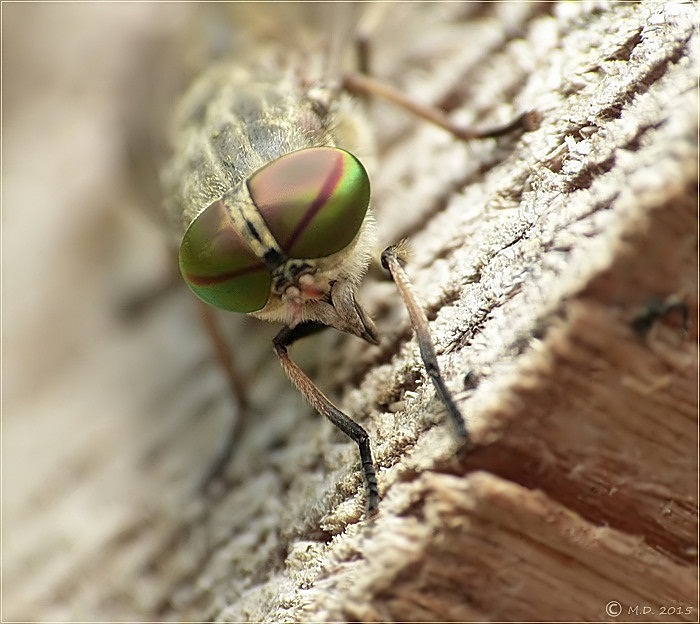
{"x":272,"y":203}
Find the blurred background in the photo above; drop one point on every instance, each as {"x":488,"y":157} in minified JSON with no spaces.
{"x":90,"y":395}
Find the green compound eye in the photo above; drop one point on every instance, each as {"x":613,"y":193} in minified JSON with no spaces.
{"x":313,"y":200}
{"x":219,"y":266}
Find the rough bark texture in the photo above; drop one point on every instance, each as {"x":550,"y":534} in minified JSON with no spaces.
{"x":534,"y":256}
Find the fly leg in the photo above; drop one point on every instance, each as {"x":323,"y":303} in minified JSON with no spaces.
{"x":237,"y":384}
{"x":392,"y":259}
{"x":322,"y":404}
{"x":138,"y":305}
{"x":362,"y":84}
{"x":236,"y":381}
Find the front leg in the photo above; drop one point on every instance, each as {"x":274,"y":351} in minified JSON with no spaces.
{"x":392,"y":261}
{"x":322,"y":404}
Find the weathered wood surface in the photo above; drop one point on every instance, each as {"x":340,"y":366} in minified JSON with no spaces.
{"x":534,"y":256}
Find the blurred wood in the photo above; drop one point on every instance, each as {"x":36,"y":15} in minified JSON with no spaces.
{"x":534,"y":256}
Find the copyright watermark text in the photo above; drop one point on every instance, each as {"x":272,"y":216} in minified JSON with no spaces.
{"x":615,"y":609}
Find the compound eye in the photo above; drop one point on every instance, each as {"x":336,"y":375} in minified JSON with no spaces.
{"x":313,"y":200}
{"x":218,"y":265}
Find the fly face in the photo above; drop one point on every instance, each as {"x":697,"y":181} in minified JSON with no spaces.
{"x":275,"y":215}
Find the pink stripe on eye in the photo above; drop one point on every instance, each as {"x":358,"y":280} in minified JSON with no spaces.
{"x":211,"y":280}
{"x":329,"y":185}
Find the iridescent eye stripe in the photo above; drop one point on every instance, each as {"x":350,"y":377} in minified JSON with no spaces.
{"x":323,"y":196}
{"x":210,"y":280}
